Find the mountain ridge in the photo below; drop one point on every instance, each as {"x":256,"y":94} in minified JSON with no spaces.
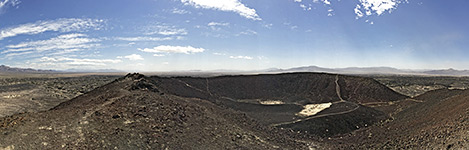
{"x":7,"y":69}
{"x":348,"y":70}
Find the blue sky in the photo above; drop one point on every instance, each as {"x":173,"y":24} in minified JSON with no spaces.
{"x":168,"y":35}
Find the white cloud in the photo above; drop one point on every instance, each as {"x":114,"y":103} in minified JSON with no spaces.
{"x":225,"y":5}
{"x":327,"y":2}
{"x":218,"y":24}
{"x":143,"y":38}
{"x":378,"y":7}
{"x":58,"y":25}
{"x":303,"y":6}
{"x":236,"y":57}
{"x":179,"y":11}
{"x":164,"y":30}
{"x":158,"y":55}
{"x":269,"y":26}
{"x":67,"y":61}
{"x":61,"y":44}
{"x":241,"y":57}
{"x":247,"y":32}
{"x":10,"y":55}
{"x":219,"y":54}
{"x":363,"y":8}
{"x":261,"y":57}
{"x":173,"y":49}
{"x":133,"y":57}
{"x":5,"y":3}
{"x":358,"y":12}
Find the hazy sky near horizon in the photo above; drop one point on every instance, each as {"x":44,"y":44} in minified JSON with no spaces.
{"x":166,"y":35}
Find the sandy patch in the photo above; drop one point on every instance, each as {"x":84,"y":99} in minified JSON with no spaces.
{"x":312,"y":109}
{"x":11,"y":96}
{"x":271,"y":102}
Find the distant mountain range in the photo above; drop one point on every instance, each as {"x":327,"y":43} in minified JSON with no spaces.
{"x":6,"y":69}
{"x":349,"y":70}
{"x":448,"y":72}
{"x":374,"y":70}
{"x":92,"y":70}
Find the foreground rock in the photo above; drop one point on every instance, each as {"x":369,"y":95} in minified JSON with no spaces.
{"x":439,"y":121}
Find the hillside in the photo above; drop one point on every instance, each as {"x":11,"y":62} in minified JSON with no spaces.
{"x":266,"y":112}
{"x":372,"y":71}
{"x":277,"y":99}
{"x":297,"y":88}
{"x":439,"y":121}
{"x":133,"y":113}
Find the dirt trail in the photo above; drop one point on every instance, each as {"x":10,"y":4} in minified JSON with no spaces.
{"x":372,"y":104}
{"x":190,"y":86}
{"x":337,"y":88}
{"x":84,"y":120}
{"x":208,"y":89}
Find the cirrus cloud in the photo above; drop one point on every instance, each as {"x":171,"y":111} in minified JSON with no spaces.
{"x":5,"y":3}
{"x":164,"y":30}
{"x":67,"y":62}
{"x":61,"y":44}
{"x":173,"y":49}
{"x":179,"y":11}
{"x":132,"y":57}
{"x":241,"y":57}
{"x":58,"y":25}
{"x":144,"y":38}
{"x":225,"y":5}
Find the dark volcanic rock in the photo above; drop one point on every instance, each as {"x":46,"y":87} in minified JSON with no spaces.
{"x":440,"y":121}
{"x":138,"y":112}
{"x":119,"y":116}
{"x":303,"y":88}
{"x":328,"y":126}
{"x":294,"y":90}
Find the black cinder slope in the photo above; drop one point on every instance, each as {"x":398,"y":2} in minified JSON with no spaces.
{"x":299,"y":88}
{"x":290,"y":93}
{"x":439,"y":121}
{"x":133,"y":113}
